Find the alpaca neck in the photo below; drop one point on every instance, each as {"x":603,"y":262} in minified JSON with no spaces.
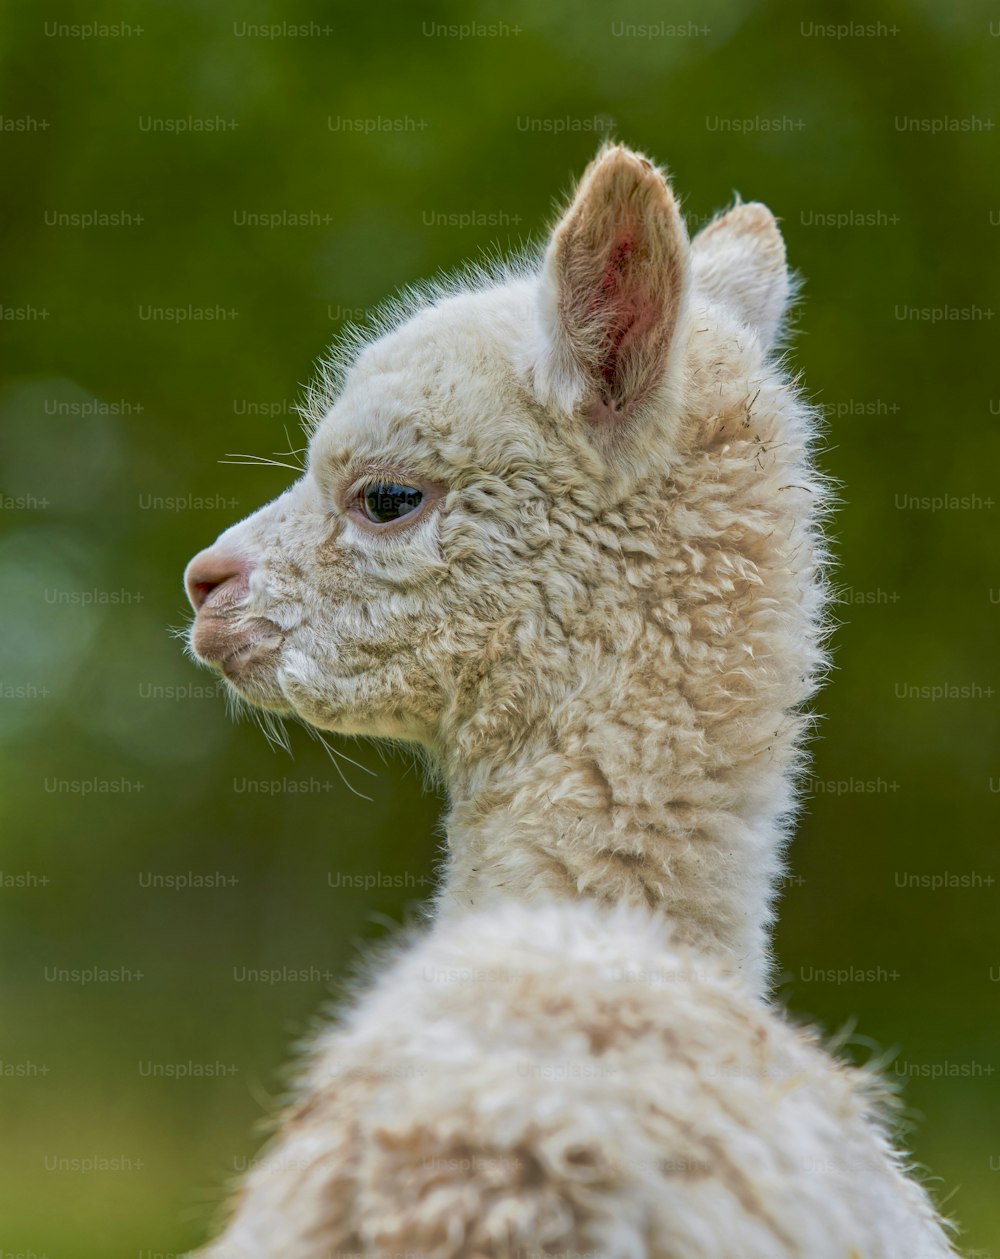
{"x":630,"y":807}
{"x":648,"y":753}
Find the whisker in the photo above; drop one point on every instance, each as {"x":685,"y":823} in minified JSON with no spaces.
{"x":274,"y":730}
{"x":332,"y":751}
{"x":335,"y":755}
{"x":260,"y":461}
{"x":292,"y":450}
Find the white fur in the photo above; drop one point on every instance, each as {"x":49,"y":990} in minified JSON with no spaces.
{"x":602,"y":640}
{"x":564,"y":1080}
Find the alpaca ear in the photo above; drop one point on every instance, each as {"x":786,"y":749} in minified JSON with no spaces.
{"x":739,"y":261}
{"x":613,"y":285}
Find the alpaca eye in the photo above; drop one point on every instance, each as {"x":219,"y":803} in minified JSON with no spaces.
{"x":384,"y":501}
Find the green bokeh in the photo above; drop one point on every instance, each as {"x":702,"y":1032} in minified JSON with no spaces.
{"x":105,"y":413}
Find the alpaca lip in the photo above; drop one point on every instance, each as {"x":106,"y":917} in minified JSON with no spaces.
{"x":237,"y":661}
{"x":232,"y":650}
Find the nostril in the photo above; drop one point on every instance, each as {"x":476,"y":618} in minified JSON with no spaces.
{"x":198,"y":591}
{"x":211,"y":569}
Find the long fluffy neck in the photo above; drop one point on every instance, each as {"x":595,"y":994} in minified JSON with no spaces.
{"x":650,"y":757}
{"x":631,"y":808}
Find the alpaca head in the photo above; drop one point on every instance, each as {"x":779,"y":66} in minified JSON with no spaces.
{"x":500,"y":508}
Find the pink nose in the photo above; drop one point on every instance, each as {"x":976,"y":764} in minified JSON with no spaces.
{"x":213,"y":570}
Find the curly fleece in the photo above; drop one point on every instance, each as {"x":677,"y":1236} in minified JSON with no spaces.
{"x":601,"y":628}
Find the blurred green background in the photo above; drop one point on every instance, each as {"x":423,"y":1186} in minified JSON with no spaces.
{"x":347,"y":152}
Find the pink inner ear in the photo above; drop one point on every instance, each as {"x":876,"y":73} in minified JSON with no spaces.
{"x":611,"y":281}
{"x":624,"y":307}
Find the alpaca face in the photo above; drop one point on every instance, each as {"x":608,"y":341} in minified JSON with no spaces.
{"x":486,"y":491}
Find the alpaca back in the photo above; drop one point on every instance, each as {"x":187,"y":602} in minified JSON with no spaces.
{"x":564,"y":1079}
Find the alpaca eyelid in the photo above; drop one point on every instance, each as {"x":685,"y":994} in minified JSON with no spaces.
{"x":430,"y":493}
{"x":359,"y":494}
{"x":383,"y":489}
{"x":354,"y":486}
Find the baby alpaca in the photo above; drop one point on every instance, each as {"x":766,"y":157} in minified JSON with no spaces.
{"x":558,"y":528}
{"x":536,"y":1081}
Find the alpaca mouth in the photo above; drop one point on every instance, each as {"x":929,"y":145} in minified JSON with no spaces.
{"x":235,"y":652}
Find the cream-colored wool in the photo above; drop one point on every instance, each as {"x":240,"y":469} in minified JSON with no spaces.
{"x":603,"y":631}
{"x":562,"y":1080}
{"x":600,"y":625}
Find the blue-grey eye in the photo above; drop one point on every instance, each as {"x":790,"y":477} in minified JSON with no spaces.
{"x":385,"y":501}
